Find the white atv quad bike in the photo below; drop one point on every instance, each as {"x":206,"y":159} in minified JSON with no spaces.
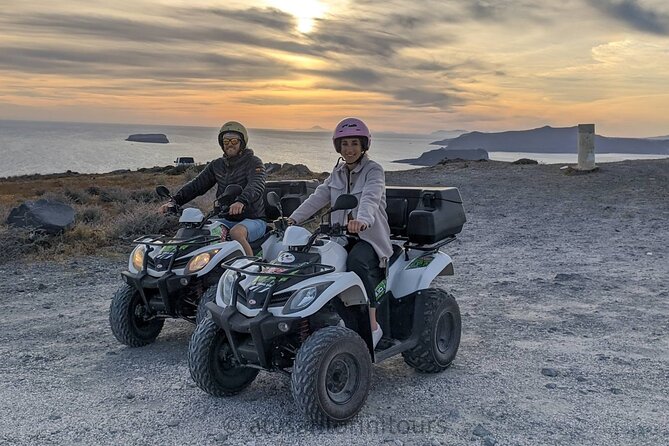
{"x":174,"y":276}
{"x":305,"y":315}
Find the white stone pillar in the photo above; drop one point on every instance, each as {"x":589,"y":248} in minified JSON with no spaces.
{"x":586,"y":147}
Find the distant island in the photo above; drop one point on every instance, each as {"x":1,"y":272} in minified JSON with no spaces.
{"x":434,"y":157}
{"x":156,"y":138}
{"x":552,"y":140}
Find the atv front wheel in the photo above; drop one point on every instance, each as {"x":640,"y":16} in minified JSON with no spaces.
{"x":440,"y":339}
{"x":212,"y":363}
{"x":331,"y":375}
{"x":128,"y":321}
{"x":207,"y":296}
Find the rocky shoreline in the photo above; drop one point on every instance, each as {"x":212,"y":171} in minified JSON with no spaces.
{"x":561,"y":282}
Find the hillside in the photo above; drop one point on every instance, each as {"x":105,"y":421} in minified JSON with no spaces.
{"x":551,"y":140}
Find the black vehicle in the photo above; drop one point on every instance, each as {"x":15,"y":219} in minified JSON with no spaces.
{"x":174,"y":276}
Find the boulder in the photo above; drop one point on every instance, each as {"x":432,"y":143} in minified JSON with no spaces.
{"x":49,"y":216}
{"x":525,"y":161}
{"x":157,"y":138}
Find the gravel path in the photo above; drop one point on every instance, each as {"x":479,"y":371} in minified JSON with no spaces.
{"x":563,"y":286}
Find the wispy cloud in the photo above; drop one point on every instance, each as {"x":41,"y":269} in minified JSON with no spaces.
{"x":635,"y":14}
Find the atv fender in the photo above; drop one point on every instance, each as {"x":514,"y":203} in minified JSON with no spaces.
{"x":346,"y":286}
{"x":407,"y":276}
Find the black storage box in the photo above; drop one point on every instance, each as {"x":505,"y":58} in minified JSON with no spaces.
{"x":291,"y":192}
{"x":424,"y":215}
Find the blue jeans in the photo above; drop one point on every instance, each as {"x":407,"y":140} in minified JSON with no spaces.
{"x":254,"y":226}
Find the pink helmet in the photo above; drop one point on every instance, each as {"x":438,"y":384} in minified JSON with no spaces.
{"x":351,"y":127}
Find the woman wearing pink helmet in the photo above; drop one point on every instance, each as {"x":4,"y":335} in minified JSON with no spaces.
{"x":360,"y":176}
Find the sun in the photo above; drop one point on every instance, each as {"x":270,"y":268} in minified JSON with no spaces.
{"x":305,"y":11}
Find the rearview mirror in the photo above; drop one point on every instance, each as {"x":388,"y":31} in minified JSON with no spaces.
{"x":345,"y":201}
{"x":231,"y":192}
{"x":274,"y":201}
{"x":163,"y":192}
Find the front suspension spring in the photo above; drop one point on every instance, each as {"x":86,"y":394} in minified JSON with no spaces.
{"x":303,"y":330}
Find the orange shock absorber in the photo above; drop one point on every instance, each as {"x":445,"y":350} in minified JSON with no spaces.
{"x":304,"y":330}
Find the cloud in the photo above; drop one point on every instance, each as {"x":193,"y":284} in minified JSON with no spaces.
{"x":427,"y":98}
{"x":125,"y":63}
{"x":635,"y":15}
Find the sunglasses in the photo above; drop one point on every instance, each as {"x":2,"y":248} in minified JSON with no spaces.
{"x":233,"y":141}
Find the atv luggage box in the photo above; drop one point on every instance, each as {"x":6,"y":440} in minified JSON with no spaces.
{"x":292,"y":194}
{"x":424,"y":215}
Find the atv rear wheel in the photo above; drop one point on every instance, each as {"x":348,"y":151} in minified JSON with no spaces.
{"x":207,"y":296}
{"x":331,"y":375}
{"x":128,"y":321}
{"x":212,"y":363}
{"x":439,"y":342}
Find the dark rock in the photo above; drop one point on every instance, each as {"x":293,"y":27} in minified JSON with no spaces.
{"x":272,"y":167}
{"x":49,"y":216}
{"x":616,"y":391}
{"x":221,"y":438}
{"x":525,"y":161}
{"x":481,"y":431}
{"x":549,"y":372}
{"x":551,"y":386}
{"x":129,"y":396}
{"x":41,"y":287}
{"x":157,"y":138}
{"x":565,"y":277}
{"x":489,"y":441}
{"x":54,"y":417}
{"x":173,"y":423}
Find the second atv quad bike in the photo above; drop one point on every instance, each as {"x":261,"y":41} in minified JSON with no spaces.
{"x":174,"y":276}
{"x":303,"y":314}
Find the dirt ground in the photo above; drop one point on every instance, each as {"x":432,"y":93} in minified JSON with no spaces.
{"x":563,"y":287}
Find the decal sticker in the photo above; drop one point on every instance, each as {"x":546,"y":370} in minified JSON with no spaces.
{"x":421,"y":262}
{"x":286,"y":257}
{"x":380,"y":290}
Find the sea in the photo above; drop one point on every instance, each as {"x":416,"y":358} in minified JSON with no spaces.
{"x":31,"y":147}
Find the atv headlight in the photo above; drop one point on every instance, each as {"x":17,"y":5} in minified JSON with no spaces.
{"x":301,"y":299}
{"x":138,"y":257}
{"x":200,"y":261}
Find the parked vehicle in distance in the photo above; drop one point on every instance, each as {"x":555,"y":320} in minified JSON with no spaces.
{"x":184,"y":161}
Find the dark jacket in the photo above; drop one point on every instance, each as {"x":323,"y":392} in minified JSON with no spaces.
{"x":246,"y":170}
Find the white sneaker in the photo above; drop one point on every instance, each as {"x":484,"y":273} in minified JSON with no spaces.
{"x":377,"y":335}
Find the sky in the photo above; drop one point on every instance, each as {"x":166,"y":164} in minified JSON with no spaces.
{"x":409,"y":66}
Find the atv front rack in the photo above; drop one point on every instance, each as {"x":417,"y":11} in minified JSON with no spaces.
{"x":294,"y":272}
{"x":164,"y":240}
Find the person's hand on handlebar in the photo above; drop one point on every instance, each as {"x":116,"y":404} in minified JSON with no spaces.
{"x":236,"y":208}
{"x":355,"y":226}
{"x":282,"y":223}
{"x":168,"y":208}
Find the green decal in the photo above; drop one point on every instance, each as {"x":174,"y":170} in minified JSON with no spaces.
{"x":217,"y":231}
{"x":421,"y":262}
{"x":380,"y":289}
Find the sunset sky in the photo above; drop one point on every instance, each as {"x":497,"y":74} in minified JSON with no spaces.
{"x":402,"y":65}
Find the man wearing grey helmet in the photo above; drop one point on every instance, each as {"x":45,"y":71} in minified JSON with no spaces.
{"x":240,"y":166}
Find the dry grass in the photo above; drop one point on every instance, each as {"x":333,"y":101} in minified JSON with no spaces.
{"x":111,"y":209}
